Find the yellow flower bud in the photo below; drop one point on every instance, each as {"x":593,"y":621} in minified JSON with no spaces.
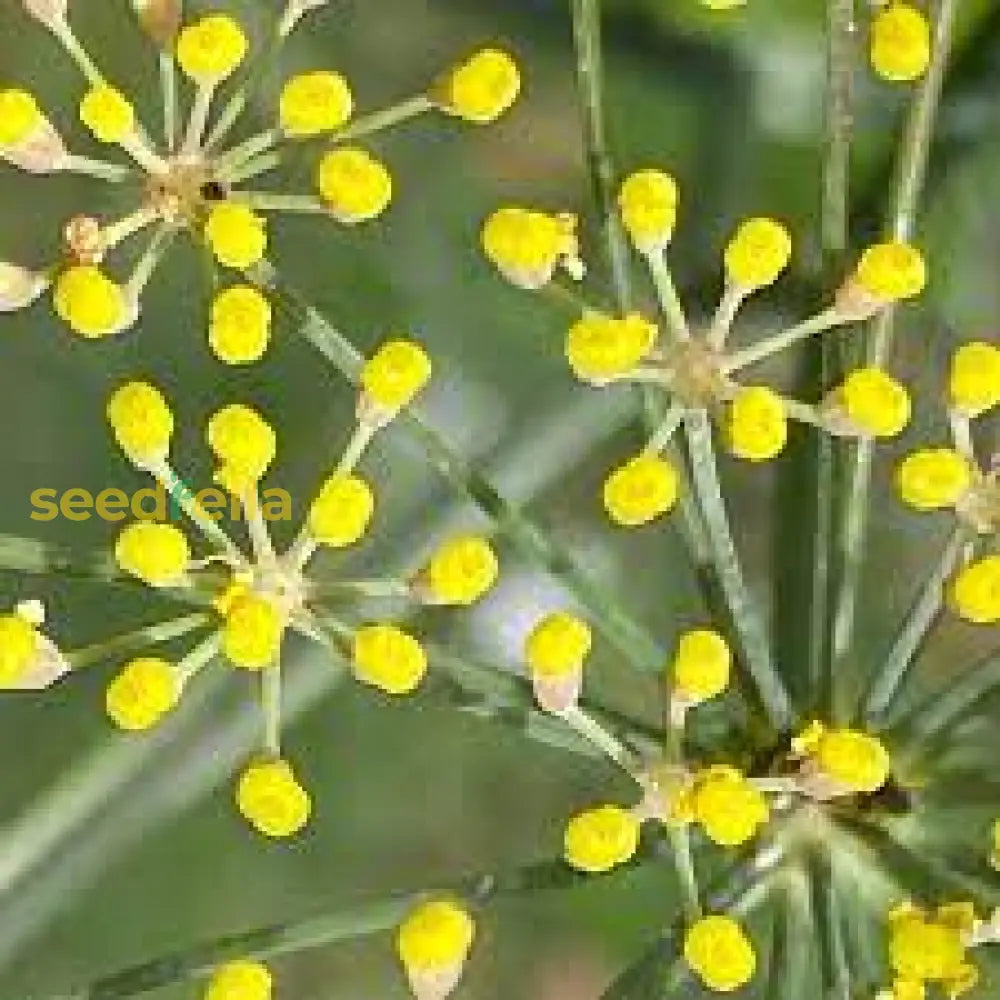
{"x":526,"y":247}
{"x":236,"y":234}
{"x":757,"y":253}
{"x":874,"y":402}
{"x":240,"y":979}
{"x":601,"y":838}
{"x":388,"y":658}
{"x":20,"y":117}
{"x":756,"y":424}
{"x":158,"y":554}
{"x":933,"y":478}
{"x":974,"y":380}
{"x":701,"y":666}
{"x":270,"y":798}
{"x":395,"y":374}
{"x":244,"y":444}
{"x":602,"y":347}
{"x":900,"y":48}
{"x":975,"y":591}
{"x":209,"y":50}
{"x":728,"y":806}
{"x":107,"y":113}
{"x":141,"y":421}
{"x":461,"y":570}
{"x":240,"y":326}
{"x":354,"y":185}
{"x":889,"y":272}
{"x":433,"y":944}
{"x":641,"y":490}
{"x":720,"y":954}
{"x":557,"y":645}
{"x":647,"y":201}
{"x":146,"y":690}
{"x":313,"y":103}
{"x":851,"y":759}
{"x":252,"y":631}
{"x":342,"y":511}
{"x":924,"y":949}
{"x":482,"y":88}
{"x":19,"y":646}
{"x":89,"y":302}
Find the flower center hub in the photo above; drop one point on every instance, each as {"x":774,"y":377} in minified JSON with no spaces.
{"x":695,"y":374}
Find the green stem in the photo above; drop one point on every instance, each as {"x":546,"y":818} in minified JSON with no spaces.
{"x":164,"y":631}
{"x":589,"y":82}
{"x":744,"y":612}
{"x":631,"y":639}
{"x":910,"y":176}
{"x":919,"y":620}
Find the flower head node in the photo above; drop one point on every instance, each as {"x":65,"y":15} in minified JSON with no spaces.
{"x":388,"y":658}
{"x":872,"y":403}
{"x":142,"y":694}
{"x":252,"y":631}
{"x":756,"y":427}
{"x":900,"y":48}
{"x":433,"y":943}
{"x":90,"y":303}
{"x":643,"y":489}
{"x":647,"y":201}
{"x":394,"y":375}
{"x":107,"y":113}
{"x":240,"y":325}
{"x":599,"y":839}
{"x":244,"y":444}
{"x":527,"y":247}
{"x":270,"y":798}
{"x":719,"y":952}
{"x":974,"y":379}
{"x":354,"y":185}
{"x":729,"y":807}
{"x":701,"y":666}
{"x":236,"y":234}
{"x":141,"y":421}
{"x":342,"y":511}
{"x":933,"y":478}
{"x":975,"y":591}
{"x":211,"y":49}
{"x":461,"y":571}
{"x":601,"y":348}
{"x":757,"y":253}
{"x":313,"y":103}
{"x":241,"y":979}
{"x":157,"y":554}
{"x":480,"y":89}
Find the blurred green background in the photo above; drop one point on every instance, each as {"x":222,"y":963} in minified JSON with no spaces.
{"x":113,"y":850}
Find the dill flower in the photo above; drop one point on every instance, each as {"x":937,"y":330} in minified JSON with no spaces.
{"x":647,"y":202}
{"x":757,"y":253}
{"x":252,"y":631}
{"x":975,"y":591}
{"x":211,"y":49}
{"x":643,"y":489}
{"x":756,"y":424}
{"x":433,"y":943}
{"x":601,"y":838}
{"x":236,"y":234}
{"x":240,"y":325}
{"x":900,"y":47}
{"x":146,"y":690}
{"x":461,"y":570}
{"x":974,"y":378}
{"x":388,"y":658}
{"x":244,"y":444}
{"x":932,"y":478}
{"x":271,"y":799}
{"x":927,"y":948}
{"x":89,"y":302}
{"x":142,"y":422}
{"x":394,"y":375}
{"x":720,"y":954}
{"x":19,"y":644}
{"x":889,"y":272}
{"x":20,"y":116}
{"x":107,"y":113}
{"x":527,"y":247}
{"x":847,"y":761}
{"x":555,"y":651}
{"x":240,"y":979}
{"x":729,"y":807}
{"x":157,"y":554}
{"x":480,"y":89}
{"x":355,"y":186}
{"x":602,"y":347}
{"x":313,"y":103}
{"x":701,"y":666}
{"x":342,"y":510}
{"x":874,"y":401}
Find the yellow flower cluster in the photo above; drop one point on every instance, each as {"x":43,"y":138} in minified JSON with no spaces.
{"x":158,"y":554}
{"x":240,"y":979}
{"x":729,"y":808}
{"x":145,"y":690}
{"x":270,"y":798}
{"x":701,"y":666}
{"x":927,"y":948}
{"x":601,"y":838}
{"x":851,"y":762}
{"x":433,"y":943}
{"x":19,"y":643}
{"x":388,"y":658}
{"x":900,"y":47}
{"x":720,"y":954}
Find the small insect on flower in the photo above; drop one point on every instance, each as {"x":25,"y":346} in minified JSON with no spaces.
{"x":461,"y":571}
{"x":342,"y":511}
{"x":701,"y":666}
{"x":757,"y":253}
{"x":527,"y":247}
{"x":900,"y":47}
{"x":975,"y":591}
{"x":240,"y":326}
{"x":433,"y":944}
{"x":143,"y":692}
{"x":555,"y":651}
{"x":601,"y":838}
{"x":647,"y":202}
{"x":719,"y":953}
{"x":314,"y":103}
{"x":756,"y":427}
{"x":933,"y":478}
{"x":643,"y":489}
{"x":974,"y":379}
{"x":157,"y":554}
{"x":601,"y":348}
{"x":481,"y":89}
{"x":388,"y":658}
{"x":241,"y":979}
{"x":270,"y":798}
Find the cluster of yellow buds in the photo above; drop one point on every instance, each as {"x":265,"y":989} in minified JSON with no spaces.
{"x":194,"y":183}
{"x":266,"y":593}
{"x":839,"y":762}
{"x":950,"y":477}
{"x":719,"y":952}
{"x":693,"y":368}
{"x":900,"y":42}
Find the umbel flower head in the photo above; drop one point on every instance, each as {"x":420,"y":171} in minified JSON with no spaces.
{"x":265,"y":594}
{"x":693,"y":368}
{"x":194,"y":180}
